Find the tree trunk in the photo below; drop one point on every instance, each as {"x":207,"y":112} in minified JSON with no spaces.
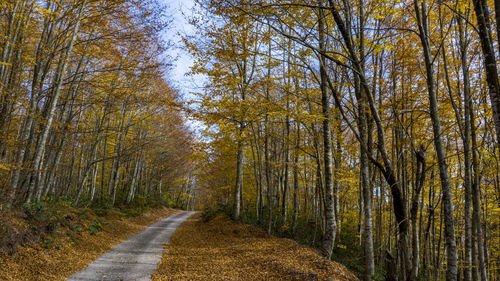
{"x":476,"y":198}
{"x":467,"y":155}
{"x":135,"y":174}
{"x":451,"y":247}
{"x":419,"y":184}
{"x":490,"y":64}
{"x":26,"y":137}
{"x":296,"y":181}
{"x":51,"y":113}
{"x":257,"y":173}
{"x":330,"y":227}
{"x":239,"y":179}
{"x":366,"y":188}
{"x":398,"y":200}
{"x":116,"y":150}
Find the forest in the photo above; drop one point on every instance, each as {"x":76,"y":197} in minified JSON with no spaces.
{"x":85,"y":112}
{"x":367,"y":129}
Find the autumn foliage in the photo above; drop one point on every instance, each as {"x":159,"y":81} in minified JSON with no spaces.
{"x":85,"y":111}
{"x":372,"y":124}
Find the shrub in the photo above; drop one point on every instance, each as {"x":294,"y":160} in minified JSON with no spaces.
{"x":133,"y":212}
{"x":101,"y":211}
{"x":209,"y":213}
{"x":95,"y":227}
{"x":49,"y":241}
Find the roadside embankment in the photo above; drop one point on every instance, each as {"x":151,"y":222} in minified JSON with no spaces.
{"x":58,"y":243}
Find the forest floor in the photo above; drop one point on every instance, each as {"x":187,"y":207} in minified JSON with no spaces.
{"x":218,"y":249}
{"x":81,"y":237}
{"x":221,"y":249}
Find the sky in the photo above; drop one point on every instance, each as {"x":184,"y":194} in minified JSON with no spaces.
{"x":179,"y":11}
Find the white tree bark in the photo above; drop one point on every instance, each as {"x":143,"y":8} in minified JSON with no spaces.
{"x":36,"y":185}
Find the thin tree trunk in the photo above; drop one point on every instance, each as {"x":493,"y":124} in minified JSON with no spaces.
{"x":366,"y":188}
{"x":419,"y":184}
{"x":116,"y":150}
{"x":330,"y":227}
{"x":267,"y":133}
{"x":26,"y":136}
{"x":284,"y":203}
{"x":122,"y":137}
{"x":36,"y":184}
{"x":93,"y":184}
{"x":238,"y":187}
{"x":296,"y":181}
{"x":92,"y":154}
{"x":451,"y":247}
{"x":239,"y":181}
{"x":467,"y":155}
{"x":490,"y":64}
{"x":135,"y":173}
{"x":398,"y":201}
{"x":476,"y":197}
{"x":257,"y":175}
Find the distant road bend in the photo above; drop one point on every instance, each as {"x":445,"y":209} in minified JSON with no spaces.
{"x":135,"y":258}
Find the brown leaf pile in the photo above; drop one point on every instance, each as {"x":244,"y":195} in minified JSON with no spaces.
{"x":33,"y":262}
{"x":223,"y":250}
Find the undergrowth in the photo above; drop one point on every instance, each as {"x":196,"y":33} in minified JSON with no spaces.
{"x":43,"y":222}
{"x":209,"y":213}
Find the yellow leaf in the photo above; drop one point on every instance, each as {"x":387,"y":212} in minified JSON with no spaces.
{"x":4,"y":167}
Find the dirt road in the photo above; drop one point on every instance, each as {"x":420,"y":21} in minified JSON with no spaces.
{"x":135,"y":258}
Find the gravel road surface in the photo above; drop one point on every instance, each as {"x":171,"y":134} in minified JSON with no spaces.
{"x":135,"y":258}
